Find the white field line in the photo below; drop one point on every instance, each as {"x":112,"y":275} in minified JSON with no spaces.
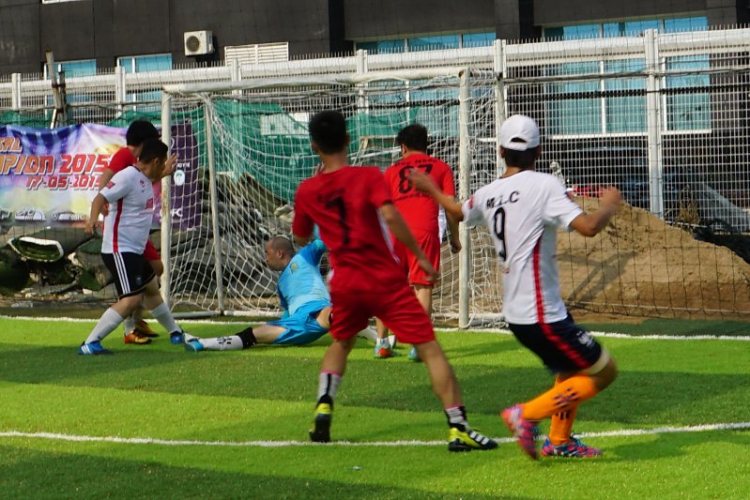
{"x":745,"y":338}
{"x":286,"y":444}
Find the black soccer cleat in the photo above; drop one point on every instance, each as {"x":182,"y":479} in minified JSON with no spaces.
{"x":322,"y":431}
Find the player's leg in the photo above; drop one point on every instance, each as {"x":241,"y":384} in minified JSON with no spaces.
{"x":240,"y":340}
{"x":561,"y":441}
{"x":331,"y":373}
{"x":154,"y":302}
{"x":369,"y":333}
{"x":140,"y":324}
{"x":420,"y":281}
{"x":383,"y":346}
{"x":350,"y":314}
{"x":406,"y":317}
{"x":585,"y":367}
{"x":126,"y":270}
{"x":424,"y":296}
{"x":108,"y":322}
{"x":137,"y":330}
{"x":305,"y":326}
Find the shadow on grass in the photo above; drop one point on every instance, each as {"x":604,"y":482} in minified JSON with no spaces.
{"x":674,"y":445}
{"x":637,"y":397}
{"x":37,"y":474}
{"x":502,"y":344}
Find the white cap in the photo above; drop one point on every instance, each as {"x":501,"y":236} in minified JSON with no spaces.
{"x":519,"y":132}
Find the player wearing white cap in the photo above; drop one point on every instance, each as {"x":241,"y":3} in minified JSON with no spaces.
{"x":523,"y":210}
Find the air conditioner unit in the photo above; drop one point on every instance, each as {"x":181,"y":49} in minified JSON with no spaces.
{"x":198,"y":43}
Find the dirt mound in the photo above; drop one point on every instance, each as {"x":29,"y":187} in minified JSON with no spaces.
{"x":640,"y":264}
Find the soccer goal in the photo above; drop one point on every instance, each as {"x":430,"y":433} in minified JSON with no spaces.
{"x":244,"y":149}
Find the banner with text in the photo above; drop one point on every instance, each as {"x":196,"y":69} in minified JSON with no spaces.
{"x":51,"y":176}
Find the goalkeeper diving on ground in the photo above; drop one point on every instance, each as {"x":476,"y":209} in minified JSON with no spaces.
{"x":303,"y":296}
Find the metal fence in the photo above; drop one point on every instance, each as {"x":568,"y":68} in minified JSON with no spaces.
{"x":662,"y":116}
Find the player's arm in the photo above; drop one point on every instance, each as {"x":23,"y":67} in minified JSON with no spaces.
{"x":449,"y":188}
{"x":302,"y":224}
{"x":402,"y":233}
{"x":453,"y":235}
{"x":592,"y":223}
{"x":105,"y":178}
{"x":169,"y":166}
{"x":425,"y":184}
{"x":313,"y":251}
{"x":96,"y":209}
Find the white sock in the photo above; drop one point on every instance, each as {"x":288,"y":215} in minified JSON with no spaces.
{"x":164,"y":316}
{"x":369,"y":333}
{"x":106,"y":325}
{"x":457,"y":417}
{"x":328,"y":384}
{"x":129,"y":324}
{"x":231,"y":343}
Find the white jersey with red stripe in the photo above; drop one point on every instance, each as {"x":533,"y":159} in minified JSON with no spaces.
{"x":523,"y":212}
{"x":131,"y":208}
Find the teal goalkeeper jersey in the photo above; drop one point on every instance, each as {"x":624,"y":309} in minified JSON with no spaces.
{"x":300,"y":284}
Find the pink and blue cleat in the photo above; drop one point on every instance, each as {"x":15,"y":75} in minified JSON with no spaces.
{"x":573,"y":448}
{"x":524,"y":430}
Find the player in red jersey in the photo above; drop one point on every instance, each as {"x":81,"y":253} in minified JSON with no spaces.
{"x":137,"y":330}
{"x":420,"y":212}
{"x":353,"y":209}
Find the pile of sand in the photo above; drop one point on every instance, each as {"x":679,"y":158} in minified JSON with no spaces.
{"x":641,"y":264}
{"x":638,"y":265}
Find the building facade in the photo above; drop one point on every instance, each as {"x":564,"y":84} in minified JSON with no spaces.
{"x":91,"y":35}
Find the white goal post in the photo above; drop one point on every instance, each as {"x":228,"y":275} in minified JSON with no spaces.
{"x":243,"y":148}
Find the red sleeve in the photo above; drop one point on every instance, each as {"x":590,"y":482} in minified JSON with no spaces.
{"x":449,"y":186}
{"x":380,"y":193}
{"x":123,"y":158}
{"x":302,"y":224}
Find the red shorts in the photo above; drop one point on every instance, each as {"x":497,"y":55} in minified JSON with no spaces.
{"x":430,"y":245}
{"x":151,"y":253}
{"x":398,"y":309}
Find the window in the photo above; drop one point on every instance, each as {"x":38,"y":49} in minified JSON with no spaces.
{"x":626,"y":113}
{"x":383,"y":46}
{"x":571,"y":111}
{"x":625,"y":28}
{"x":435,"y":42}
{"x":688,"y":102}
{"x":573,"y":32}
{"x":477,"y":39}
{"x":143,"y":64}
{"x":618,"y":105}
{"x":75,"y":69}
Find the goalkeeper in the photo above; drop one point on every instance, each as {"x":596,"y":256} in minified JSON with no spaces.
{"x":302,"y":294}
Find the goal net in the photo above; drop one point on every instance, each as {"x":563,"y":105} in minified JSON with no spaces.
{"x":244,"y":148}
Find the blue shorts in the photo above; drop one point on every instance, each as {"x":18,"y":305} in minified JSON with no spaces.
{"x":301,"y":328}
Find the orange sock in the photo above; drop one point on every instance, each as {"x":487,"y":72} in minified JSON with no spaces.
{"x":563,"y":396}
{"x":561,"y":425}
{"x":562,"y":422}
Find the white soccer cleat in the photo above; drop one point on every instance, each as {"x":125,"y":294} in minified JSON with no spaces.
{"x":369,"y":333}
